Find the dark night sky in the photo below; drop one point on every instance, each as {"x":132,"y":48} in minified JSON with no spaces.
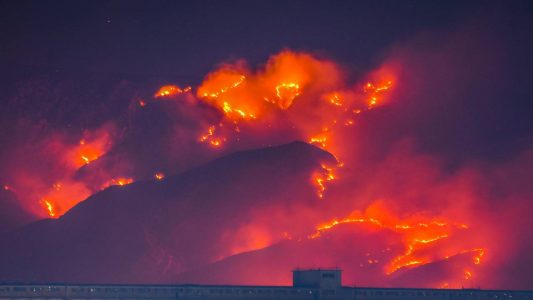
{"x":173,"y":38}
{"x":94,"y":45}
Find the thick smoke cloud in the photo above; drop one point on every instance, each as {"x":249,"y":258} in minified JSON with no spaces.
{"x":412,"y":148}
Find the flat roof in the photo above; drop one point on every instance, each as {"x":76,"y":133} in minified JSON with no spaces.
{"x":251,"y":286}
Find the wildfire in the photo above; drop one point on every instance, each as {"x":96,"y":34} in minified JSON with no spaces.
{"x":286,"y":92}
{"x":89,"y":152}
{"x":335,"y":222}
{"x":49,"y":208}
{"x":215,"y":94}
{"x":416,"y":236}
{"x":90,"y":148}
{"x":211,"y":138}
{"x":69,"y":154}
{"x":243,"y":95}
{"x":235,"y":113}
{"x":430,"y":240}
{"x":374,"y":92}
{"x":320,"y":140}
{"x":321,"y":177}
{"x":480,"y":253}
{"x":334,"y":99}
{"x":303,"y":93}
{"x":120,"y":181}
{"x":216,"y":90}
{"x":477,"y":254}
{"x":468,"y":275}
{"x":170,"y":91}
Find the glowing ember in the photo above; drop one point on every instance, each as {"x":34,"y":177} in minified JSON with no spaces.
{"x":90,"y":148}
{"x":57,"y":186}
{"x":159,"y":176}
{"x":211,"y":138}
{"x":374,"y":91}
{"x":123,"y":181}
{"x":120,"y":181}
{"x":468,"y":275}
{"x":478,"y":256}
{"x":88,"y":152}
{"x":320,"y":140}
{"x":170,"y":90}
{"x":49,"y":208}
{"x":321,"y":177}
{"x":335,"y":99}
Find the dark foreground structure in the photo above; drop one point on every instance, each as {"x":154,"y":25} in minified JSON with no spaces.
{"x":307,"y":284}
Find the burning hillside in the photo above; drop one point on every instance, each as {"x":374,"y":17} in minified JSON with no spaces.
{"x":385,"y":218}
{"x":296,"y":96}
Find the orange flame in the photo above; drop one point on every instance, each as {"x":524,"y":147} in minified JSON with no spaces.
{"x":468,"y":275}
{"x":120,"y":181}
{"x":319,"y":140}
{"x":159,"y":176}
{"x":416,"y":236}
{"x":170,"y":91}
{"x":374,"y":92}
{"x":320,"y":178}
{"x":244,"y":95}
{"x":209,"y":137}
{"x":216,"y":90}
{"x":89,"y":152}
{"x":49,"y":208}
{"x":334,"y":99}
{"x":480,"y":253}
{"x":286,"y":92}
{"x":90,"y":148}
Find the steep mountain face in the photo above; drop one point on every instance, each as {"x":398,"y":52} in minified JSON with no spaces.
{"x":12,"y":215}
{"x":152,"y":231}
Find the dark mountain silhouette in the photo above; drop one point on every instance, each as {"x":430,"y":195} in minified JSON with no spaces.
{"x":221,"y":223}
{"x":153,"y":230}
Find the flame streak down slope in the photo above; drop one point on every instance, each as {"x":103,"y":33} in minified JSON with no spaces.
{"x":417,"y":236}
{"x":67,"y":191}
{"x":67,"y":179}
